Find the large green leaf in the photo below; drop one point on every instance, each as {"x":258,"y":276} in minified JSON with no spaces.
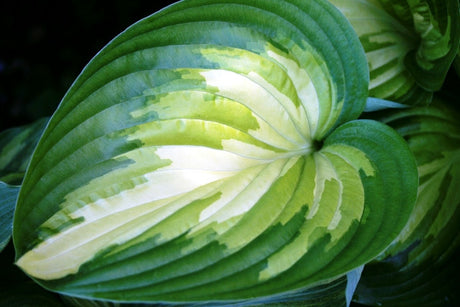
{"x":211,"y":153}
{"x":409,"y":45}
{"x":421,"y":266}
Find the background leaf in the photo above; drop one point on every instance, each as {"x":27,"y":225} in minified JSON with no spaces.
{"x":420,"y":267}
{"x":16,"y":148}
{"x":438,"y":25}
{"x":409,"y":45}
{"x":8,"y":196}
{"x":376,"y":104}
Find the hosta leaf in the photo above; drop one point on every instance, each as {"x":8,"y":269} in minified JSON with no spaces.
{"x":421,"y":266}
{"x":211,"y":153}
{"x":16,"y":147}
{"x":409,"y":45}
{"x":335,"y":293}
{"x":8,"y":196}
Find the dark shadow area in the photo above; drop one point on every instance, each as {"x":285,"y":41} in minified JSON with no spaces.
{"x":45,"y":44}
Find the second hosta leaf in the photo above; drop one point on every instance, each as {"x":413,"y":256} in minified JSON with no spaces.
{"x":211,"y":153}
{"x":410,"y":45}
{"x":425,"y":255}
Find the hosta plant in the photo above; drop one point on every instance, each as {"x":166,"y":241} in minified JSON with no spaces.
{"x":212,"y":153}
{"x":409,"y":44}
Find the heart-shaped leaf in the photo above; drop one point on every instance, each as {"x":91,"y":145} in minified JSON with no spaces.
{"x":211,"y":153}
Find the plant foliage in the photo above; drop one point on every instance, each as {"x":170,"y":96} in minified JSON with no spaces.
{"x":215,"y":152}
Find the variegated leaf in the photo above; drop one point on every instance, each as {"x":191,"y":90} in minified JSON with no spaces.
{"x":211,"y":153}
{"x":409,"y":45}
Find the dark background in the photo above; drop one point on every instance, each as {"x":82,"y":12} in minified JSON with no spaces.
{"x":44,"y":45}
